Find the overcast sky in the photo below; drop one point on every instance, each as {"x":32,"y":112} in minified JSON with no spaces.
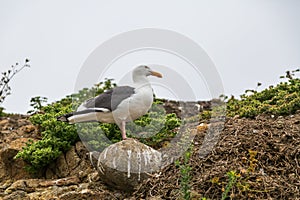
{"x":249,"y":41}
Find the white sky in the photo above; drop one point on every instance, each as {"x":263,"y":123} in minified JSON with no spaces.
{"x":249,"y":41}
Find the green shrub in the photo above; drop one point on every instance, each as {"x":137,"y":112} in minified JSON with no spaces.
{"x":57,"y":136}
{"x":232,"y":178}
{"x":37,"y":103}
{"x":283,"y":99}
{"x":185,"y":174}
{"x":2,"y":113}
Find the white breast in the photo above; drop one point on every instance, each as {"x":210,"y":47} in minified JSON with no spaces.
{"x":135,"y":106}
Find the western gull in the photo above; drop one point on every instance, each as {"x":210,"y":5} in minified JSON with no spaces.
{"x":118,"y":105}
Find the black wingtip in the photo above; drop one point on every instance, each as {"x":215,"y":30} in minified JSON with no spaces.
{"x":62,"y":118}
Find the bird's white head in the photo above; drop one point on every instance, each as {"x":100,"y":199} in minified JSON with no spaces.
{"x":143,"y":71}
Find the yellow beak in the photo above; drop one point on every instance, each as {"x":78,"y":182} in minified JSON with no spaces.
{"x":157,"y":74}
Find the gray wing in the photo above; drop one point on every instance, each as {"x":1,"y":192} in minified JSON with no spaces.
{"x":110,"y":99}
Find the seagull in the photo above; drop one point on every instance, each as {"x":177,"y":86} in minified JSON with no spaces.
{"x":118,"y":105}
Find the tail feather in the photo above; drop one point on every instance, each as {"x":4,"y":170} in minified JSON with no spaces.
{"x":87,"y":115}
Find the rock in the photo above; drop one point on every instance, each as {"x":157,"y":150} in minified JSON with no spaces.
{"x":19,"y":143}
{"x":74,"y":162}
{"x":51,"y":193}
{"x":6,"y":184}
{"x":50,"y":172}
{"x":72,"y":159}
{"x":28,"y":128}
{"x":83,"y":194}
{"x":10,"y":167}
{"x":16,"y":195}
{"x":80,"y":149}
{"x":125,"y":164}
{"x":93,"y":177}
{"x":155,"y":198}
{"x":24,"y":122}
{"x":18,"y":185}
{"x":202,"y":127}
{"x":4,"y":122}
{"x":62,"y":166}
{"x":74,"y":180}
{"x":38,"y":188}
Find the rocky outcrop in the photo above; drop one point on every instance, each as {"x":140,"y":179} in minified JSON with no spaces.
{"x":15,"y":132}
{"x":74,"y":162}
{"x":185,"y":109}
{"x":64,"y":188}
{"x":11,"y":168}
{"x":125,"y":164}
{"x":70,"y":177}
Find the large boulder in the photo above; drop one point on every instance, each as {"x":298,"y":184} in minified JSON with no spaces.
{"x":125,"y":164}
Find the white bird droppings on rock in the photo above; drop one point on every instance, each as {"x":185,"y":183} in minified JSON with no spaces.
{"x":125,"y":164}
{"x":128,"y":163}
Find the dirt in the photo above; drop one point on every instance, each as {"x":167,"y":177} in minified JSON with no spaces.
{"x":273,"y":173}
{"x":264,"y":152}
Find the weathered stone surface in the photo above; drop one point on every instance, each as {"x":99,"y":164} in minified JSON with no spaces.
{"x":10,"y":167}
{"x":68,"y":188}
{"x":16,"y":195}
{"x":80,"y":150}
{"x":19,"y":143}
{"x":23,"y":184}
{"x":51,"y":193}
{"x":62,"y":166}
{"x":74,"y":162}
{"x":39,"y":186}
{"x":6,"y":184}
{"x":69,"y":181}
{"x":60,"y":182}
{"x":28,"y":128}
{"x":4,"y":122}
{"x":125,"y":164}
{"x":84,"y":194}
{"x":72,"y":159}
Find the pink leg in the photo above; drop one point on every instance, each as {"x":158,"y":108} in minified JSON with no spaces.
{"x":123,"y":130}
